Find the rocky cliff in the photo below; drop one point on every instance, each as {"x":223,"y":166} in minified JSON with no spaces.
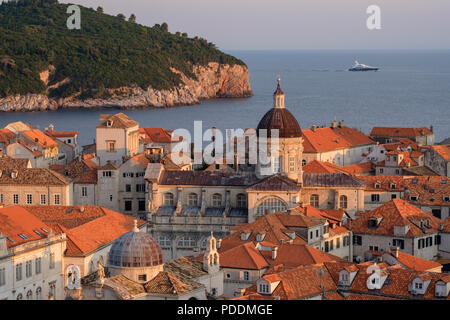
{"x":213,"y":81}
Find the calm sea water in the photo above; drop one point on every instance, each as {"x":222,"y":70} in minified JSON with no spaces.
{"x":411,"y":89}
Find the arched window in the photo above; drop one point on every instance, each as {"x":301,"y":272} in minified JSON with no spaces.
{"x":29,"y":295}
{"x":241,"y":200}
{"x":91,"y":267}
{"x":193,"y":199}
{"x":303,"y":162}
{"x":271,"y":205}
{"x":343,"y":202}
{"x":217,"y":200}
{"x":19,"y":296}
{"x":38,"y":293}
{"x":168,"y":199}
{"x":314,"y":200}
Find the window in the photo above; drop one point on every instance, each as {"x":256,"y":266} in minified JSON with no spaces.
{"x":18,"y":272}
{"x":437,"y":239}
{"x":317,"y":233}
{"x":381,"y":170}
{"x":164,"y":241}
{"x":37,"y":266}
{"x":142,"y":277}
{"x":141,"y":205}
{"x":338,"y":243}
{"x":128,"y":188}
{"x":413,"y":198}
{"x":241,"y":200}
{"x":343,"y":202}
{"x":346,"y":241}
{"x":418,"y":285}
{"x":2,"y":276}
{"x":24,"y":237}
{"x":193,"y":199}
{"x":397,"y":171}
{"x":19,"y":296}
{"x":38,"y":293}
{"x":303,"y":162}
{"x":43,"y":199}
{"x":84,"y":191}
{"x":51,"y":263}
{"x":375,"y":198}
{"x":52,"y":290}
{"x":111,"y":146}
{"x":28,"y":269}
{"x":291,"y":164}
{"x":357,"y":240}
{"x":186,"y":242}
{"x":373,"y":248}
{"x":311,"y":234}
{"x":16,"y":199}
{"x":29,"y":295}
{"x":110,"y":197}
{"x":168,"y":199}
{"x":57,"y":199}
{"x":399,"y":243}
{"x":217,"y":200}
{"x":327,"y":246}
{"x":246,"y":276}
{"x":107,"y":174}
{"x":331,"y":245}
{"x":1,"y":198}
{"x":270,"y":206}
{"x":314,"y":200}
{"x":128,"y":205}
{"x":393,"y":186}
{"x":429,"y":241}
{"x":29,"y":199}
{"x":437,"y":213}
{"x":393,"y":196}
{"x":129,"y":174}
{"x":140,"y":187}
{"x":264,"y":288}
{"x":421,"y":243}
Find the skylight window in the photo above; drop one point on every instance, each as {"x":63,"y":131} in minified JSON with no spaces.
{"x":45,"y":230}
{"x":10,"y":239}
{"x":414,"y":181}
{"x":23,"y":236}
{"x":38,"y":233}
{"x":431,"y":190}
{"x":444,"y":182}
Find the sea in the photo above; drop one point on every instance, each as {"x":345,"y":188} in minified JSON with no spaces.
{"x":411,"y":89}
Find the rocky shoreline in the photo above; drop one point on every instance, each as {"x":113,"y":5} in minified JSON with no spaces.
{"x":213,"y":81}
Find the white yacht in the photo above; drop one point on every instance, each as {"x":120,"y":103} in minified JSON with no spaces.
{"x":362,"y":67}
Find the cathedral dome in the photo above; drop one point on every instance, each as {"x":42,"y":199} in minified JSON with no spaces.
{"x":280,"y":118}
{"x":135,"y":249}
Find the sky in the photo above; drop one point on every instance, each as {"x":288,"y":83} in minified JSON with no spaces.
{"x":295,"y":24}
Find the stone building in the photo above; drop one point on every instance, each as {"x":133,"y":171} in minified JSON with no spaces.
{"x":117,"y":137}
{"x":184,"y":206}
{"x":422,"y":136}
{"x":437,"y":158}
{"x":31,"y":257}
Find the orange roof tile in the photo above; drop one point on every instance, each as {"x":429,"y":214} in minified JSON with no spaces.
{"x":443,"y":151}
{"x":37,"y":136}
{"x":416,"y":263}
{"x":244,"y":256}
{"x":400,"y":132}
{"x":327,"y":139}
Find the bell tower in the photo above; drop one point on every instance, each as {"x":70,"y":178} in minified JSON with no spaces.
{"x":278,"y":96}
{"x":211,"y":257}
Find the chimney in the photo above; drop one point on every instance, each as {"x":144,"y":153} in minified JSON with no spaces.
{"x":395,"y":252}
{"x":82,"y":209}
{"x":274,"y":253}
{"x":313,"y":128}
{"x":432,"y":129}
{"x":422,"y":132}
{"x":51,"y":127}
{"x":334,"y":124}
{"x":219,"y":243}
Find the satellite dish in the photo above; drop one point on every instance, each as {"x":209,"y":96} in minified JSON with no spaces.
{"x":73,"y":277}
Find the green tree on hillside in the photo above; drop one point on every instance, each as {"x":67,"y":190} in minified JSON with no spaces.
{"x":100,"y":9}
{"x":121,"y":16}
{"x":165,"y":27}
{"x":132,"y":18}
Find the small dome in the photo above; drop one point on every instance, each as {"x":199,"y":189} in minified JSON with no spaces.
{"x":135,"y":249}
{"x":281,"y":119}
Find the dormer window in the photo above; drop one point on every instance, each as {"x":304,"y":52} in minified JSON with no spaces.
{"x":24,"y":237}
{"x":377,"y":186}
{"x":245,"y":236}
{"x":418,"y":286}
{"x":393,"y":186}
{"x":413,"y":198}
{"x":14,"y":174}
{"x":373,"y":222}
{"x":264,"y":288}
{"x":260,"y":237}
{"x":109,"y":123}
{"x":446,"y":198}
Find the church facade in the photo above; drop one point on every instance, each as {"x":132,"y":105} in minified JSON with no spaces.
{"x":185,"y":206}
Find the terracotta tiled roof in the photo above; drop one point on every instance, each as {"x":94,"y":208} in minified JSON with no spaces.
{"x":275,"y":183}
{"x":429,"y":190}
{"x":384,"y":182}
{"x":8,"y":163}
{"x":29,"y":147}
{"x":6,"y":136}
{"x":124,"y":287}
{"x":355,"y":296}
{"x":416,"y":263}
{"x":38,"y":137}
{"x":33,"y":177}
{"x":74,"y":169}
{"x":327,"y":139}
{"x":141,"y":159}
{"x":88,"y":230}
{"x":443,"y":151}
{"x":158,"y":135}
{"x":396,"y":212}
{"x":317,"y":166}
{"x":399,"y":132}
{"x":185,"y":267}
{"x":298,"y":283}
{"x":15,"y":220}
{"x":87,"y":177}
{"x":169,"y":283}
{"x":359,"y":168}
{"x":119,"y":120}
{"x":244,"y":256}
{"x":61,"y":134}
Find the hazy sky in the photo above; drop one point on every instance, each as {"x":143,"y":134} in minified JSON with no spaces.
{"x":295,"y":24}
